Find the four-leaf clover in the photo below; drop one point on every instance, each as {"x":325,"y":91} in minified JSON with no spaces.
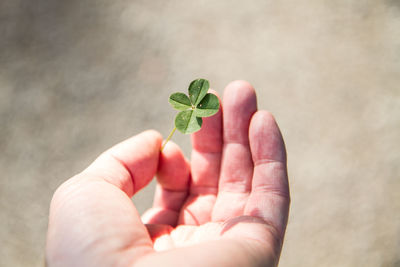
{"x":199,"y":104}
{"x":192,"y":108}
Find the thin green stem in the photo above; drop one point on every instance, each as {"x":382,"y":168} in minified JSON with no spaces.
{"x":168,"y":138}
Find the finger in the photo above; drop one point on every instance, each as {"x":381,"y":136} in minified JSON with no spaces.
{"x":131,"y":164}
{"x":92,"y":214}
{"x":173,"y":184}
{"x":269,"y":198}
{"x":206,"y":161}
{"x":160,"y":235}
{"x":237,"y":166}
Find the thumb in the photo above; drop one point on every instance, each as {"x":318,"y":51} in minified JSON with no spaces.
{"x":92,"y":215}
{"x":129,"y":165}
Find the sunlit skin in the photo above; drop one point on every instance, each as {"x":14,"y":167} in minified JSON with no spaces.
{"x":228,"y":206}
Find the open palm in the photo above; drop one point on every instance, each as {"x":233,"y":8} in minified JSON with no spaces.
{"x":227,"y":207}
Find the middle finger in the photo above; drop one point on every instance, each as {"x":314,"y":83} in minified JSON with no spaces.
{"x":240,"y":104}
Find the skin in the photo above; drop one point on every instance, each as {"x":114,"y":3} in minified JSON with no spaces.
{"x":227,"y":207}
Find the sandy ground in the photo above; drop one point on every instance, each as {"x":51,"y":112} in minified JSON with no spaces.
{"x":79,"y":76}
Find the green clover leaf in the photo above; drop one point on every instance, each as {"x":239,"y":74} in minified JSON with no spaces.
{"x":180,"y":101}
{"x":197,"y":90}
{"x":208,"y":106}
{"x":187,"y":121}
{"x":192,"y":108}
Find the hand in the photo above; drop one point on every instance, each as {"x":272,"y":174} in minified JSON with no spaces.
{"x":228,"y":207}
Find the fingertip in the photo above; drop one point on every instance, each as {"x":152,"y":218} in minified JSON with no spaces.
{"x":173,"y":151}
{"x":153,"y":135}
{"x":170,"y":147}
{"x":239,"y":86}
{"x":240,"y":103}
{"x":241,"y":95}
{"x":173,"y":169}
{"x":262,"y":117}
{"x":266,"y":140}
{"x":131,"y":164}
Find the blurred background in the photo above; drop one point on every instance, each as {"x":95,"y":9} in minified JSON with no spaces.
{"x":78,"y":76}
